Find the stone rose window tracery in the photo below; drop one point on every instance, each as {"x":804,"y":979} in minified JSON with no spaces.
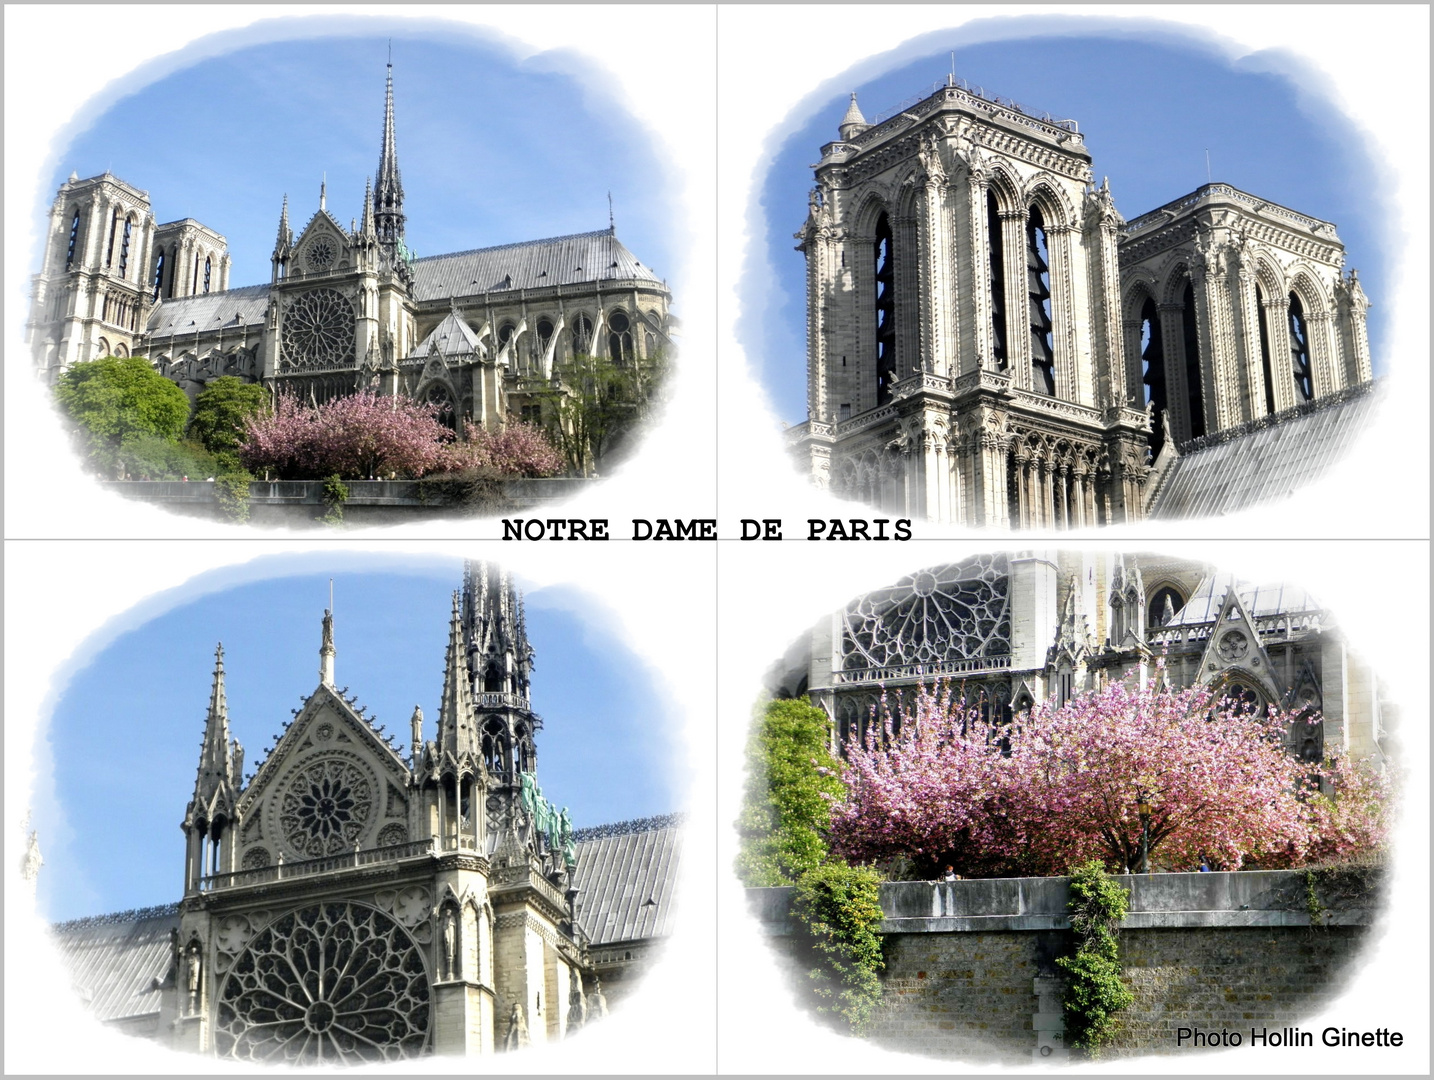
{"x":321,"y":254}
{"x":337,"y":983}
{"x":946,"y":613}
{"x":319,"y":331}
{"x":325,"y":808}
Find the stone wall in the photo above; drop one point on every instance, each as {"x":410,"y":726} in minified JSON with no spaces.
{"x":970,"y":965}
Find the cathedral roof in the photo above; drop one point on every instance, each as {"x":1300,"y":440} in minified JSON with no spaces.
{"x":210,"y":311}
{"x":114,"y":959}
{"x":533,"y":264}
{"x":451,"y":337}
{"x":1261,"y":601}
{"x":627,"y":874}
{"x":1233,"y":471}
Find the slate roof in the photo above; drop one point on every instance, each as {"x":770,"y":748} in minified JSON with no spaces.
{"x":114,"y":959}
{"x":533,"y":264}
{"x":1260,"y":601}
{"x":451,"y":337}
{"x":210,"y":311}
{"x":628,"y":879}
{"x":1232,"y":473}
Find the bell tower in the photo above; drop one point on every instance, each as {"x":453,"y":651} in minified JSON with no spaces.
{"x":93,"y":294}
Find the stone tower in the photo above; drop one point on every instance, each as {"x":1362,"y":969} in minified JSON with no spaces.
{"x":955,"y":252}
{"x":347,"y":905}
{"x":1235,"y":309}
{"x":92,"y":295}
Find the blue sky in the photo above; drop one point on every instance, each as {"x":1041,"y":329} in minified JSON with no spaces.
{"x":126,"y":731}
{"x":493,"y":149}
{"x":1148,"y":106}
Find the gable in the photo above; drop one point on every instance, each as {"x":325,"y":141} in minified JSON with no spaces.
{"x":330,"y":785}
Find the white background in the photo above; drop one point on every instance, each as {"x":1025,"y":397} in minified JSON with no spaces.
{"x":683,"y":604}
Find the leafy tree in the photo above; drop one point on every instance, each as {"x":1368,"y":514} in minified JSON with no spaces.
{"x":1063,"y":785}
{"x":791,"y":781}
{"x":153,"y":457}
{"x":113,"y":399}
{"x":597,"y":404}
{"x":220,"y":414}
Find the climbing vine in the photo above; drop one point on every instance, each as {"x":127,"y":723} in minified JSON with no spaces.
{"x":840,"y":909}
{"x":1094,"y":990}
{"x":336,"y":493}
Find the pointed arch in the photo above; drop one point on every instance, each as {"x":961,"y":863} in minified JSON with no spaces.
{"x":1051,"y":199}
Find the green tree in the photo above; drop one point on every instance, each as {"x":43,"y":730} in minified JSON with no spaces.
{"x":597,"y":405}
{"x":219,"y":414}
{"x":791,"y":780}
{"x":114,"y":399}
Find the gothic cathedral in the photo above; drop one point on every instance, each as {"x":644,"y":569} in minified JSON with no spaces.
{"x":989,"y":343}
{"x":484,"y":333}
{"x":345,"y":904}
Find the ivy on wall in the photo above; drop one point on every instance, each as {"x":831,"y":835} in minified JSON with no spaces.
{"x":840,"y":909}
{"x":1094,"y":991}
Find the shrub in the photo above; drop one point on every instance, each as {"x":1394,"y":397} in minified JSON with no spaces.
{"x":839,"y":907}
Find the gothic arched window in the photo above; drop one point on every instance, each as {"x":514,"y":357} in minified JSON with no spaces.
{"x":1191,"y":334}
{"x":619,"y":338}
{"x":1157,"y":615}
{"x":885,"y":305}
{"x":74,"y":237}
{"x":582,"y":334}
{"x":158,"y":273}
{"x":208,"y":267}
{"x":997,"y":245}
{"x":124,"y":246}
{"x":110,"y":247}
{"x":1038,"y":288}
{"x":1152,"y":358}
{"x":1300,"y":349}
{"x":1265,"y":364}
{"x":545,"y":334}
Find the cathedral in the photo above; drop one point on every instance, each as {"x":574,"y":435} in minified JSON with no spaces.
{"x":990,"y":343}
{"x":1017,"y":629}
{"x":484,"y":334}
{"x":347,"y":903}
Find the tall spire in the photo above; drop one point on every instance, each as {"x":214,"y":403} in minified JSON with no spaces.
{"x":495,"y":631}
{"x":286,"y":234}
{"x":217,"y":754}
{"x":455,"y":711}
{"x":366,"y":225}
{"x":388,"y":191}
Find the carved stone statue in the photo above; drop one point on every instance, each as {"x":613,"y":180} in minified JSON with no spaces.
{"x":191,"y":975}
{"x":930,"y":157}
{"x":577,"y":1006}
{"x":517,"y":1036}
{"x":450,"y":944}
{"x":597,"y":1004}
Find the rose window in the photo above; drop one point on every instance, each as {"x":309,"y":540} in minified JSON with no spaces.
{"x":337,"y":983}
{"x":325,"y":808}
{"x":946,"y":613}
{"x":321,"y":254}
{"x":319,"y":331}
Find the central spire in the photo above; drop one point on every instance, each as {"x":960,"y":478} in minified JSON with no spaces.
{"x":388,"y":188}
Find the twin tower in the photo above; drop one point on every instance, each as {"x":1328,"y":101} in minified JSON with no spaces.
{"x":991,"y":343}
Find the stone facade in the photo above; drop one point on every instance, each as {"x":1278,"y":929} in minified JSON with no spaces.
{"x":977,"y":310}
{"x":482,"y":333}
{"x":1014,"y":630}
